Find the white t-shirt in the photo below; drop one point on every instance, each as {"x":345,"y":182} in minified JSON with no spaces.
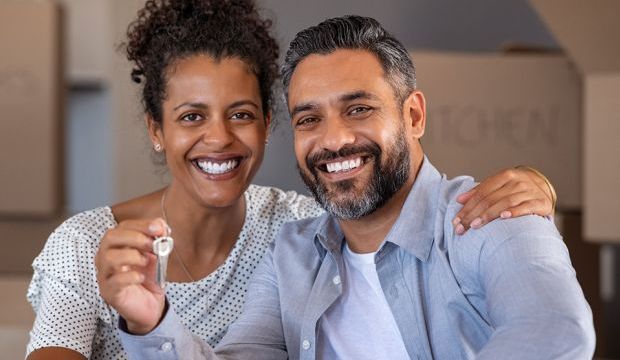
{"x":360,"y":324}
{"x":70,"y":312}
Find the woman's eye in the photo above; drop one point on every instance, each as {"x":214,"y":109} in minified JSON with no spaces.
{"x":306,"y":121}
{"x":191,"y":117}
{"x":242,"y":116}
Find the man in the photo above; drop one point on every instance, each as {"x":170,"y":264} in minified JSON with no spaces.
{"x":362,"y":281}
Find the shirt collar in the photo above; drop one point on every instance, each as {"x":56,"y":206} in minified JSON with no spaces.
{"x":414,"y":227}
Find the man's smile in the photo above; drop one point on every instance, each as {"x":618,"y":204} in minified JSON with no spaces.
{"x":343,"y":167}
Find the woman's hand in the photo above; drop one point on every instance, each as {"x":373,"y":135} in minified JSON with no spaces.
{"x":126,"y":269}
{"x":510,"y":193}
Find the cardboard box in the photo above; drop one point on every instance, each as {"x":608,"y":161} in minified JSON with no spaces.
{"x":490,"y":111}
{"x":589,"y":31}
{"x":23,"y":241}
{"x":31,"y":94}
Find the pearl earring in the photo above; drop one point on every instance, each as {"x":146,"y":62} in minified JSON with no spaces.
{"x":158,"y":147}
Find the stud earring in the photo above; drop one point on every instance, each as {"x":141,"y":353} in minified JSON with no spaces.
{"x":158,"y":147}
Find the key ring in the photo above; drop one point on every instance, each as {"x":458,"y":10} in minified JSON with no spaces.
{"x":162,"y":245}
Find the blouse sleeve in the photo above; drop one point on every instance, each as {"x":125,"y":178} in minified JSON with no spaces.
{"x":64,"y":292}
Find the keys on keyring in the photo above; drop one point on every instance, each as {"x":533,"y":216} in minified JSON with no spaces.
{"x":162,"y":247}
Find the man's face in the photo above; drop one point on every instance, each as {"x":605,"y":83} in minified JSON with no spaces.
{"x":351,"y":141}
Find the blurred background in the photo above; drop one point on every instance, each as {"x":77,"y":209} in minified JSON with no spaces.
{"x":508,"y":82}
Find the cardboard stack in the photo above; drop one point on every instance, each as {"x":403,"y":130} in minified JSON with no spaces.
{"x":558,"y":113}
{"x":31,"y":106}
{"x":488,"y":111}
{"x":590,"y":34}
{"x":31,"y":141}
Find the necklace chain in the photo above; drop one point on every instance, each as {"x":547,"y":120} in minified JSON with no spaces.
{"x":174,"y":250}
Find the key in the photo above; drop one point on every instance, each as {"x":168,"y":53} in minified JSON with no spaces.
{"x":162,"y":247}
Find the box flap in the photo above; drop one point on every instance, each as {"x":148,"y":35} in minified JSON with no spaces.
{"x":589,"y":31}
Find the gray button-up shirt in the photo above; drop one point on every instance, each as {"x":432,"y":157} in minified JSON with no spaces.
{"x":505,"y":291}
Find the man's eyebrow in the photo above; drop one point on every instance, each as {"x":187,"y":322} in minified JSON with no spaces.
{"x":356,"y":95}
{"x":197,"y":105}
{"x":304,"y":107}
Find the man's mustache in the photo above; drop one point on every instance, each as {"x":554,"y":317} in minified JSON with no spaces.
{"x":312,"y":159}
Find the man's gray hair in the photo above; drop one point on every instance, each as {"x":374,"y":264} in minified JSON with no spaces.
{"x":355,"y":33}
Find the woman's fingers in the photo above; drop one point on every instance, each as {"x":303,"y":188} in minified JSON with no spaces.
{"x":510,"y":193}
{"x":123,"y":279}
{"x":138,"y":234}
{"x":117,"y":260}
{"x":529,"y":207}
{"x":471,"y":198}
{"x":493,"y":207}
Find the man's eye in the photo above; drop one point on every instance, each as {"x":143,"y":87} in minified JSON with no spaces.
{"x":191,"y":117}
{"x":359,"y":110}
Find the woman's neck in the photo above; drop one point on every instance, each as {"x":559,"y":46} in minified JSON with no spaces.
{"x":204,"y":236}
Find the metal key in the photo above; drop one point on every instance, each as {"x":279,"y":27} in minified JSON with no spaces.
{"x":162,"y":247}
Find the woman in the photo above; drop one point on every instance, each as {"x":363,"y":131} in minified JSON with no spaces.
{"x":208,"y":68}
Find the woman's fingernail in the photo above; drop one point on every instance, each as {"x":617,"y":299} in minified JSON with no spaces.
{"x":154,"y":227}
{"x":476,"y":223}
{"x":460,"y":229}
{"x":505,"y":214}
{"x":456,"y":221}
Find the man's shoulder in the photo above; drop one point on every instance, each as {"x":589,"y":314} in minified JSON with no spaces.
{"x":536,"y":233}
{"x":450,"y":189}
{"x":505,"y":243}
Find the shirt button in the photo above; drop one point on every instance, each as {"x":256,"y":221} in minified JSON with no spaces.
{"x":336,"y":280}
{"x":305,"y":344}
{"x":165,"y":347}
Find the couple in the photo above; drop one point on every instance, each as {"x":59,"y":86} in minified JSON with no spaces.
{"x":402,"y":285}
{"x":382,"y":274}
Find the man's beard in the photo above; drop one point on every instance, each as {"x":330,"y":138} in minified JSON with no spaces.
{"x":390,"y":172}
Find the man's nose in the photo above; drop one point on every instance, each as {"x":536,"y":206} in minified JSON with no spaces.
{"x":336,"y":134}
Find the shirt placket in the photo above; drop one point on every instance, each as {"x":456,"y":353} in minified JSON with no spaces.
{"x":326,"y":290}
{"x":405,"y":304}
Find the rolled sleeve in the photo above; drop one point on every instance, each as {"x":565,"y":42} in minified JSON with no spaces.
{"x":170,"y":340}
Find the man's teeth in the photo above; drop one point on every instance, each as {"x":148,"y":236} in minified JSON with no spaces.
{"x":217,"y":168}
{"x":343,"y":165}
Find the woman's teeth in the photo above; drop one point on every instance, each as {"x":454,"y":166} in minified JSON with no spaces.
{"x":343,"y":165}
{"x":217,"y":168}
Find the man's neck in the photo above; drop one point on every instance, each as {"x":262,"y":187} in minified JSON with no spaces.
{"x":366,"y":234}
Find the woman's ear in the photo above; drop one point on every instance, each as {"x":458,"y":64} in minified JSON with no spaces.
{"x":414,"y":112}
{"x":155,"y":133}
{"x":268,"y":118}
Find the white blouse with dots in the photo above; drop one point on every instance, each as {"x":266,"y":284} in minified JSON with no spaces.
{"x":70,"y":312}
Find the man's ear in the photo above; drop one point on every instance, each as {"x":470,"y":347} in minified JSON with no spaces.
{"x":414,"y":112}
{"x":155,"y":133}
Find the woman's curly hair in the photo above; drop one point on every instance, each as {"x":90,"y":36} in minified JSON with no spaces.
{"x":168,"y":30}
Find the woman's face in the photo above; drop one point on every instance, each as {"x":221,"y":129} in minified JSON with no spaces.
{"x":214,"y":128}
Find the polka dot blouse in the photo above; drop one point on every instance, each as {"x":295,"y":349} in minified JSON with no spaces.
{"x":70,"y":312}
